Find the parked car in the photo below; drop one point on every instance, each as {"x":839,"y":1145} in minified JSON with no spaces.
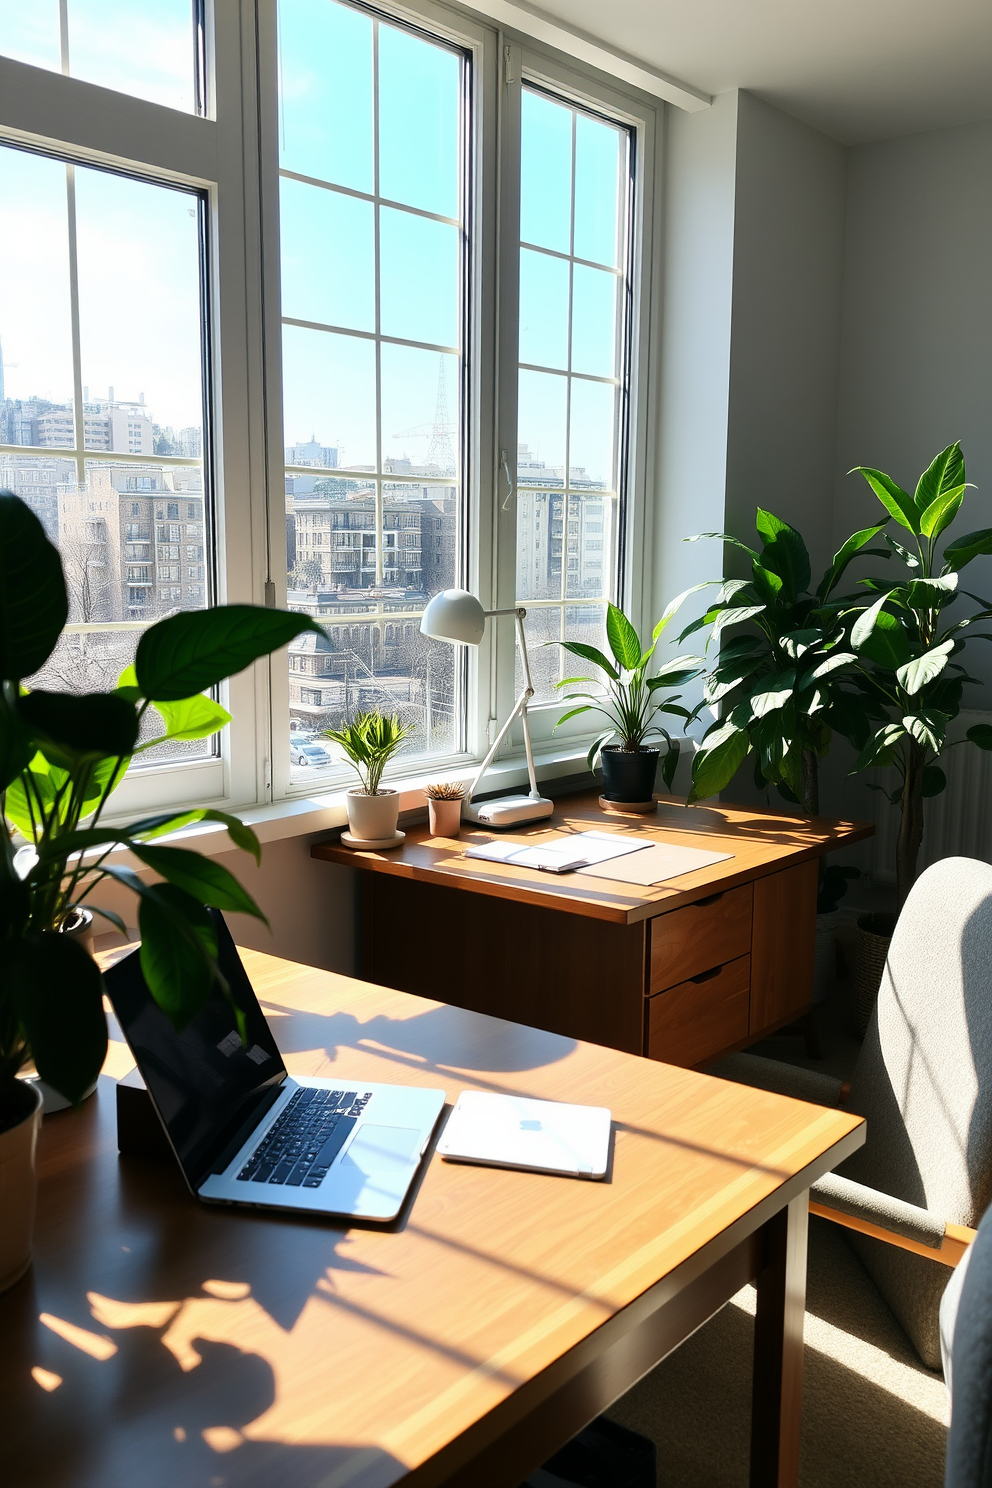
{"x":313,"y":755}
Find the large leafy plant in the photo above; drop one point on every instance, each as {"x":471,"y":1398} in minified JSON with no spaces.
{"x":908,"y":648}
{"x":370,"y":740}
{"x":782,"y":686}
{"x":631,"y":701}
{"x":61,"y":757}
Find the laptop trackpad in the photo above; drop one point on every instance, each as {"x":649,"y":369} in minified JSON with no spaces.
{"x":382,"y":1149}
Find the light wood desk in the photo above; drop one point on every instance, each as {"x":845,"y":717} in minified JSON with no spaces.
{"x":160,"y":1343}
{"x":683,"y":971}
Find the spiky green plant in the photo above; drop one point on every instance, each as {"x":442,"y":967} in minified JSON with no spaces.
{"x":370,"y":740}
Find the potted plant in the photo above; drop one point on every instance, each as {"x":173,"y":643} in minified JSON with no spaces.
{"x":444,"y":807}
{"x":370,"y":740}
{"x":61,"y":757}
{"x":908,"y":649}
{"x":782,"y":687}
{"x":631,"y":706}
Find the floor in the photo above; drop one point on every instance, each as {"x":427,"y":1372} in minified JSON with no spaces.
{"x":873,"y":1415}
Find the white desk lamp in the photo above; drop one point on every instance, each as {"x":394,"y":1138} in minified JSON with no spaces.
{"x":457,"y":616}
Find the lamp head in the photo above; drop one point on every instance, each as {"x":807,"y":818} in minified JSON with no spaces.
{"x":454,"y":615}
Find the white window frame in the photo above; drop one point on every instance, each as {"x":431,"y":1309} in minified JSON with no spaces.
{"x":230,"y":153}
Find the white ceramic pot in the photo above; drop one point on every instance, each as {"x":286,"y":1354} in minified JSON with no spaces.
{"x":373,"y":818}
{"x":81,"y":929}
{"x":18,"y":1188}
{"x":444,"y":817}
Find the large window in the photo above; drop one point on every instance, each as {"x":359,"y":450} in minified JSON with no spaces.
{"x":326,"y":304}
{"x":373,"y":194}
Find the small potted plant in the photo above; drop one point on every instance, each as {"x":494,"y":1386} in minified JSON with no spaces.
{"x":444,"y":807}
{"x":370,"y":740}
{"x":631,"y":705}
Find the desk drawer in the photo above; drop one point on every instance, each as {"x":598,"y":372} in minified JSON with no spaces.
{"x":699,"y":937}
{"x":696,"y":1020}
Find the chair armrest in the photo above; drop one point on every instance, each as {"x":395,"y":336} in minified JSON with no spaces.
{"x":781,"y":1078}
{"x":872,"y":1212}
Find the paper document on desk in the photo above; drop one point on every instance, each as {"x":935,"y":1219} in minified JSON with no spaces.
{"x":585,"y":848}
{"x":661,"y":861}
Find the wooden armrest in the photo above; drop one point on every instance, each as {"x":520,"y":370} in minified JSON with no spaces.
{"x":957,"y":1238}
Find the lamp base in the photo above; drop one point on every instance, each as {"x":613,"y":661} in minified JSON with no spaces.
{"x":508,"y":811}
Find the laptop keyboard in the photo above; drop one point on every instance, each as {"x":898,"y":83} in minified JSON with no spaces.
{"x":299,"y":1149}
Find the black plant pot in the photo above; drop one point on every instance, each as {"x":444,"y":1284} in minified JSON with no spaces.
{"x":628,"y":774}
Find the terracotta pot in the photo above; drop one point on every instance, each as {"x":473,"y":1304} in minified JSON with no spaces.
{"x":18,"y":1186}
{"x":628,"y":774}
{"x":444,"y":817}
{"x":373,"y":818}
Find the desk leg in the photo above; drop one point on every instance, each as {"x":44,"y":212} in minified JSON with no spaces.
{"x":776,"y":1404}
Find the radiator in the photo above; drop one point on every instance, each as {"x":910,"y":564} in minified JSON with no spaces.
{"x":957,"y":823}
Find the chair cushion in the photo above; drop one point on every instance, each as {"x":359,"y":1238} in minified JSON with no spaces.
{"x":969,"y":1445}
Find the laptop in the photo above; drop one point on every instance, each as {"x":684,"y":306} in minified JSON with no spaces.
{"x":245,"y":1131}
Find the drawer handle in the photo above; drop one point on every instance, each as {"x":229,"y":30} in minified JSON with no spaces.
{"x":707,"y":976}
{"x":710,"y":899}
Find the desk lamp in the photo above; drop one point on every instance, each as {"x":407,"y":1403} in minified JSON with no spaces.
{"x":457,"y":616}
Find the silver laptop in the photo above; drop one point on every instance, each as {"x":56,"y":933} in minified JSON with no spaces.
{"x":244,"y":1131}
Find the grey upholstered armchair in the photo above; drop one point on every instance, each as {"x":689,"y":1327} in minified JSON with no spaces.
{"x":966,"y":1343}
{"x":923,"y":1080}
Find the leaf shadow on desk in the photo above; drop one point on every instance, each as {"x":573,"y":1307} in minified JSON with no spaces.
{"x":436,"y":1039}
{"x":160,"y":1424}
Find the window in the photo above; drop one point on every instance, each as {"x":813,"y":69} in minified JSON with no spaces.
{"x":427,"y":377}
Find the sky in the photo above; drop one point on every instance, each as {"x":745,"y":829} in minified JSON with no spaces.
{"x":138,"y":245}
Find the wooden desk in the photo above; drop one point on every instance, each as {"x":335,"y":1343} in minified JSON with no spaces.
{"x":160,"y":1343}
{"x":684,"y":971}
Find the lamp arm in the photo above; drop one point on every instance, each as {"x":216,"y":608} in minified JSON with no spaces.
{"x":519,"y":707}
{"x":519,"y":710}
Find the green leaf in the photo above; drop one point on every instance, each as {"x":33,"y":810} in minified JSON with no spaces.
{"x":57,"y":990}
{"x":586,"y":708}
{"x":178,"y":950}
{"x":672,"y":608}
{"x":193,"y":651}
{"x":911,"y":560}
{"x":590,"y":653}
{"x":831,"y":664}
{"x":677,"y":671}
{"x":795,"y":642}
{"x":726,"y":537}
{"x":958,"y":554}
{"x":717,"y":762}
{"x":981,"y":734}
{"x":944,"y":473}
{"x":194,"y":717}
{"x":784,"y":552}
{"x":928,"y":727}
{"x":670,"y":763}
{"x":735,"y":616}
{"x":934,"y":780}
{"x":881,"y":747}
{"x":897,"y":502}
{"x":888,"y":644}
{"x":775,"y":695}
{"x":33,"y":603}
{"x":596,"y":746}
{"x":843,"y":557}
{"x":941,"y":512}
{"x":204,"y":878}
{"x":923,"y":669}
{"x":622,"y":638}
{"x":849,"y":717}
{"x":85,"y":725}
{"x":929,"y":594}
{"x":865,"y":623}
{"x":16,"y":747}
{"x":767,"y":583}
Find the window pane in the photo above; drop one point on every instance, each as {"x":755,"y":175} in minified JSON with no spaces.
{"x":419,"y":125}
{"x":325,"y":92}
{"x":543,"y":631}
{"x":419,"y":411}
{"x":142,"y":47}
{"x":541,"y":401}
{"x":30,"y":33}
{"x":588,"y":546}
{"x":364,"y":553}
{"x":540,"y":538}
{"x":594,"y":321}
{"x":591,"y":451}
{"x":598,"y":217}
{"x":545,"y":172}
{"x":419,"y":278}
{"x":139,"y":310}
{"x":36,"y":398}
{"x":327,"y":253}
{"x":543,"y":309}
{"x":329,"y":394}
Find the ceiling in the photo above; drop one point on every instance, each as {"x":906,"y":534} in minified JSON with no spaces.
{"x":857,"y":69}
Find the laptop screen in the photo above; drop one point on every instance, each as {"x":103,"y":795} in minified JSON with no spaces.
{"x":205,"y":1080}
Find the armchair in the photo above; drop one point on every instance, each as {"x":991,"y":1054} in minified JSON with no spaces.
{"x":913,"y":1194}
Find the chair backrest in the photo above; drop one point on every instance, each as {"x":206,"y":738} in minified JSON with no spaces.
{"x":924,"y":1075}
{"x":966,"y":1316}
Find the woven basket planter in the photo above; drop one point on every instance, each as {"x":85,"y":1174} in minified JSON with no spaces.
{"x":874,"y":935}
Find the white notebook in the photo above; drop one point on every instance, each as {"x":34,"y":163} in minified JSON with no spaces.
{"x":510,"y":1131}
